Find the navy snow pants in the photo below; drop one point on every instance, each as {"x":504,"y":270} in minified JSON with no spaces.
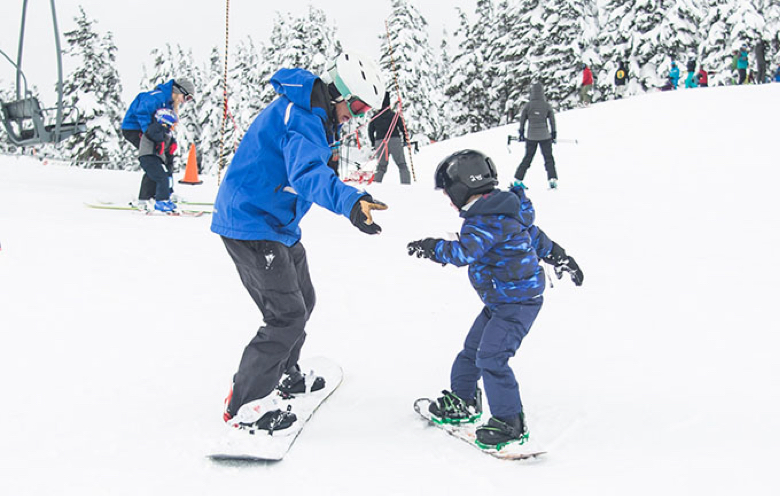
{"x":493,"y":339}
{"x":156,"y":181}
{"x":277,"y":278}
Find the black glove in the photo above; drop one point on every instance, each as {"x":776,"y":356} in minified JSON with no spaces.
{"x":569,"y":265}
{"x":554,"y":135}
{"x":424,"y":248}
{"x":561,"y":263}
{"x":521,"y":136}
{"x":360,"y":215}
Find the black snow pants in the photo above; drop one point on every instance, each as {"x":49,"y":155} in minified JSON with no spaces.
{"x":530,"y":151}
{"x":277,"y":278}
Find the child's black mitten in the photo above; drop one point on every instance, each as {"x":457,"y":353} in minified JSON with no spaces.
{"x":424,"y":248}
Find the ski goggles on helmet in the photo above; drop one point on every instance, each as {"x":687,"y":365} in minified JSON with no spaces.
{"x":357,"y":107}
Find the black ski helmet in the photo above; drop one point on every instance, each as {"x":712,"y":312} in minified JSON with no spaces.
{"x":464,"y":174}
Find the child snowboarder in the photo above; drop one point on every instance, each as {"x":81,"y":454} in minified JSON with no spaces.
{"x":502,"y":247}
{"x":155,"y":152}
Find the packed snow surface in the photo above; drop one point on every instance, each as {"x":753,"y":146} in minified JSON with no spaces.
{"x":121,"y":332}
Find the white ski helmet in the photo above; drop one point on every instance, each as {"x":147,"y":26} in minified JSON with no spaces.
{"x":356,"y":76}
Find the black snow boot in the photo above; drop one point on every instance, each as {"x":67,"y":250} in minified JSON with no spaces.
{"x":451,"y":409}
{"x":296,"y":382}
{"x":498,"y":433}
{"x":274,"y":420}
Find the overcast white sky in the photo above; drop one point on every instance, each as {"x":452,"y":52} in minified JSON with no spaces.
{"x":140,"y":25}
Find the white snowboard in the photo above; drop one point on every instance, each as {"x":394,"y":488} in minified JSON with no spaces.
{"x":468,"y":434}
{"x":258,"y":445}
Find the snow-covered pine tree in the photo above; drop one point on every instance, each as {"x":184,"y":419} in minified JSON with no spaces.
{"x":447,"y":110}
{"x":727,"y":26}
{"x":771,"y":33}
{"x":501,"y":64}
{"x":615,"y":44}
{"x":715,"y":54}
{"x":678,"y":33}
{"x":464,"y":81}
{"x":271,"y":54}
{"x":558,"y":53}
{"x":94,"y":87}
{"x":209,"y":117}
{"x":306,"y":42}
{"x":649,"y":61}
{"x":416,"y":68}
{"x":525,"y":22}
{"x":245,"y":84}
{"x":483,"y":31}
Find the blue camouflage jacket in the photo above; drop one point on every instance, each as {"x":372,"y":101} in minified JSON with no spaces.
{"x":502,"y":247}
{"x":281,"y":167}
{"x":140,"y":113}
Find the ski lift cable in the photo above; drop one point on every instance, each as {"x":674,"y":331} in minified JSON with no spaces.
{"x":225,"y":96}
{"x":400,"y":104}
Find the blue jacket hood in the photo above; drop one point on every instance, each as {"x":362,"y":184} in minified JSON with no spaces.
{"x":296,"y":85}
{"x":511,"y":203}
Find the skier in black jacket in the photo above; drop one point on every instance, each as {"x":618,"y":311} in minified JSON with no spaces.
{"x":384,"y":132}
{"x":538,"y":113}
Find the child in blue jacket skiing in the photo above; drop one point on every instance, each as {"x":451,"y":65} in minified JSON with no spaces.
{"x":155,"y":153}
{"x":501,"y":247}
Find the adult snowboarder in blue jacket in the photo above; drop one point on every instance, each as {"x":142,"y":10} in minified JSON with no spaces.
{"x":279,"y":170}
{"x":141,"y":112}
{"x":501,"y":246}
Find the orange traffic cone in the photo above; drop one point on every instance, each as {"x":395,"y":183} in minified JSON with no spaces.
{"x":191,"y":172}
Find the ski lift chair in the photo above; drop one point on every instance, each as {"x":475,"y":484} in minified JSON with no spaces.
{"x":28,"y":124}
{"x":24,"y":120}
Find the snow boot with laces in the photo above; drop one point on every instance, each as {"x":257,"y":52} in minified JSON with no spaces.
{"x":452,"y":409}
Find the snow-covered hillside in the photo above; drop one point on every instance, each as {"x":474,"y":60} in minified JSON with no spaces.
{"x":120,"y":332}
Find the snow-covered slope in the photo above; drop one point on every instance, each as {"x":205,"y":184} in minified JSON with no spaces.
{"x":120,"y":332}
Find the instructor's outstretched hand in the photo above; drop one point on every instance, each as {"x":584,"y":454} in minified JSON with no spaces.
{"x":360,"y":216}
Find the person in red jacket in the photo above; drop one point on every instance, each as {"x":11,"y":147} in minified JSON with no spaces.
{"x":702,"y":77}
{"x":587,"y":85}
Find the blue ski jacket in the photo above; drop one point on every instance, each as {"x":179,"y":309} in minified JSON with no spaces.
{"x":281,"y":167}
{"x":674,"y":74}
{"x":140,"y":113}
{"x":502,"y":247}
